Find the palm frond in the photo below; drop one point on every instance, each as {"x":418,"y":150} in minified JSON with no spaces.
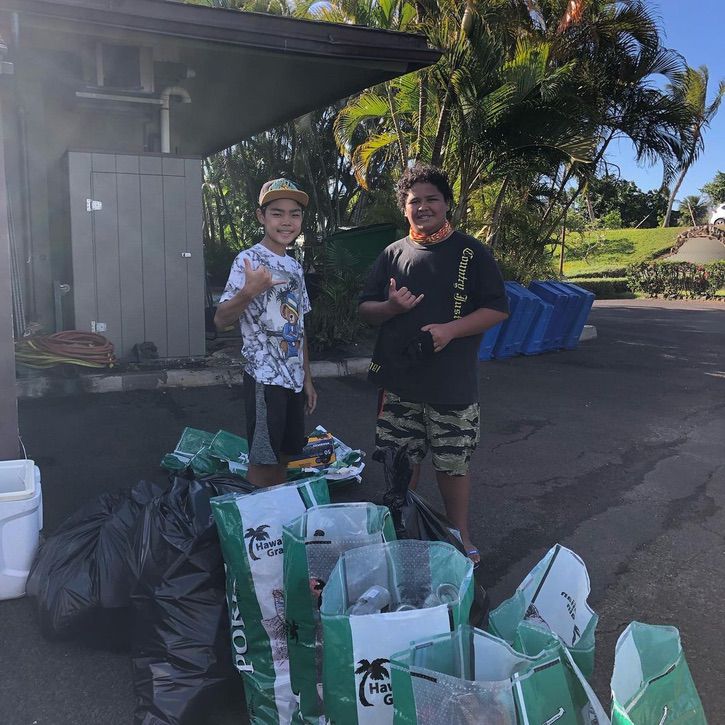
{"x":363,"y":154}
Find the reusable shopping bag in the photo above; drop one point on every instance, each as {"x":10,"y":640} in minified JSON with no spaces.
{"x":312,"y":545}
{"x":469,"y":677}
{"x":651,"y":683}
{"x":250,"y":532}
{"x":191,"y":442}
{"x":429,"y":588}
{"x":205,"y":453}
{"x":554,"y":596}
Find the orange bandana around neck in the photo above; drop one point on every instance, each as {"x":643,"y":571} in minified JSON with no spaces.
{"x":445,"y":231}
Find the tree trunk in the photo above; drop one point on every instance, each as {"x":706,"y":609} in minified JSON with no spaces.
{"x":496,"y":216}
{"x":590,"y":208}
{"x":441,"y":129}
{"x":467,"y":20}
{"x":360,"y":207}
{"x":311,"y":182}
{"x":220,"y":221}
{"x":673,"y":194}
{"x":422,"y":113}
{"x":460,"y":213}
{"x":398,"y":131}
{"x":548,"y":232}
{"x":228,"y":213}
{"x":209,"y":220}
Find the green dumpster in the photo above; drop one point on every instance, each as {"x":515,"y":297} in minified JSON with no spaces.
{"x":364,"y":243}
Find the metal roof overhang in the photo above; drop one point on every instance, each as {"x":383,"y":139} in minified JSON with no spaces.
{"x":253,"y":71}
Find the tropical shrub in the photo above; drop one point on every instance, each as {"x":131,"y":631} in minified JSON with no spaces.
{"x":605,"y":288}
{"x":334,"y":286}
{"x":677,"y":279}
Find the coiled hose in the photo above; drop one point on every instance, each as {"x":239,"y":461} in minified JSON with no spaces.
{"x":71,"y":347}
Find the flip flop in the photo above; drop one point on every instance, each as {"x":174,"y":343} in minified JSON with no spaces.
{"x":474,"y":552}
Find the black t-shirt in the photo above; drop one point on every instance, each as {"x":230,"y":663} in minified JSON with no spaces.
{"x":457,"y":277}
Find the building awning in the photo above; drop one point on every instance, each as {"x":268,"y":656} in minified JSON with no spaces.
{"x":250,"y":71}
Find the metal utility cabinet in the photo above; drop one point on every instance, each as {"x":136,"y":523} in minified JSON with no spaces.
{"x":137,"y":250}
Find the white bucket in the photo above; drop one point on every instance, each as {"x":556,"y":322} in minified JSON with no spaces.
{"x":21,"y":518}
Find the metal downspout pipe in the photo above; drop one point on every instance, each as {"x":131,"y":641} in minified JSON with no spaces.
{"x":166,"y":95}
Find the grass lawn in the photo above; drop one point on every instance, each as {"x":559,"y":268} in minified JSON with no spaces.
{"x":609,"y":250}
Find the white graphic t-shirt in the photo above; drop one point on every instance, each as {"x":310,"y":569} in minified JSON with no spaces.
{"x":272,"y":326}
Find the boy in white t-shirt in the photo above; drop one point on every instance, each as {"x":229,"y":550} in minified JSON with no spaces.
{"x":266,"y":293}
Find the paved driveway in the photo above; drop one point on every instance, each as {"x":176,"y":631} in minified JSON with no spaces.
{"x":616,"y":450}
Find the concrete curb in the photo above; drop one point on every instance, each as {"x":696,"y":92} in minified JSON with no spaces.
{"x":28,"y":388}
{"x":161,"y":379}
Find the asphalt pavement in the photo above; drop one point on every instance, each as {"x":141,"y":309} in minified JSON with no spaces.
{"x":615,"y":450}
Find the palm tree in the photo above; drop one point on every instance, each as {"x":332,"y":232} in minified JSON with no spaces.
{"x":374,"y":670}
{"x":691,"y":90}
{"x":258,"y":534}
{"x":694,"y":207}
{"x":524,"y":103}
{"x":520,"y":111}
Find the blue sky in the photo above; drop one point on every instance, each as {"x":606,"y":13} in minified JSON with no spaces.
{"x":697,"y":31}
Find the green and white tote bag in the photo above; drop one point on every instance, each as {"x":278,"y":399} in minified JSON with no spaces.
{"x":554,"y":596}
{"x":250,"y":532}
{"x":428,"y":588}
{"x":651,"y":682}
{"x":312,"y":545}
{"x":469,"y":677}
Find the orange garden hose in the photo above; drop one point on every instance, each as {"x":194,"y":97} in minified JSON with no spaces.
{"x":71,"y":347}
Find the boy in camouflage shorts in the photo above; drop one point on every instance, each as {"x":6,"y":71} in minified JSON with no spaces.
{"x":432,"y":294}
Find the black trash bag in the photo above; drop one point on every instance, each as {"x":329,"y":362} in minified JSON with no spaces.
{"x":80,"y":575}
{"x":415,"y":518}
{"x":182,"y":660}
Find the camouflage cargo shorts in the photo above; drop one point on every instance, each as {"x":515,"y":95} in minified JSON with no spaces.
{"x":450,"y":432}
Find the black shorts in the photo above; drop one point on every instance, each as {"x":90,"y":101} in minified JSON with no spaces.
{"x":275,"y":421}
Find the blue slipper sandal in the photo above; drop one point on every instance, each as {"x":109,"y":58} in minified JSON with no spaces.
{"x":474,"y":552}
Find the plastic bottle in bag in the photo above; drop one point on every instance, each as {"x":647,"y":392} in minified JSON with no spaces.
{"x":371,"y":601}
{"x":447,"y":593}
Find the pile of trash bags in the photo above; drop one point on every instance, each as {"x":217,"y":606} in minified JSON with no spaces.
{"x":144,"y":567}
{"x":344,"y":613}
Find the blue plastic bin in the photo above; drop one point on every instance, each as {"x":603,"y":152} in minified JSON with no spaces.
{"x":585,"y":300}
{"x":562,"y":317}
{"x":535,"y":341}
{"x":485,"y":350}
{"x":522,"y":307}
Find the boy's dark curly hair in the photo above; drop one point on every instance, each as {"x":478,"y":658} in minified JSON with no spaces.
{"x":423,"y":174}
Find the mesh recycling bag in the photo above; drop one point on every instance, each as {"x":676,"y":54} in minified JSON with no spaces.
{"x":250,"y":532}
{"x":415,"y":518}
{"x":312,"y":545}
{"x":651,"y":682}
{"x":469,"y":677}
{"x":553,"y":596}
{"x":429,"y":587}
